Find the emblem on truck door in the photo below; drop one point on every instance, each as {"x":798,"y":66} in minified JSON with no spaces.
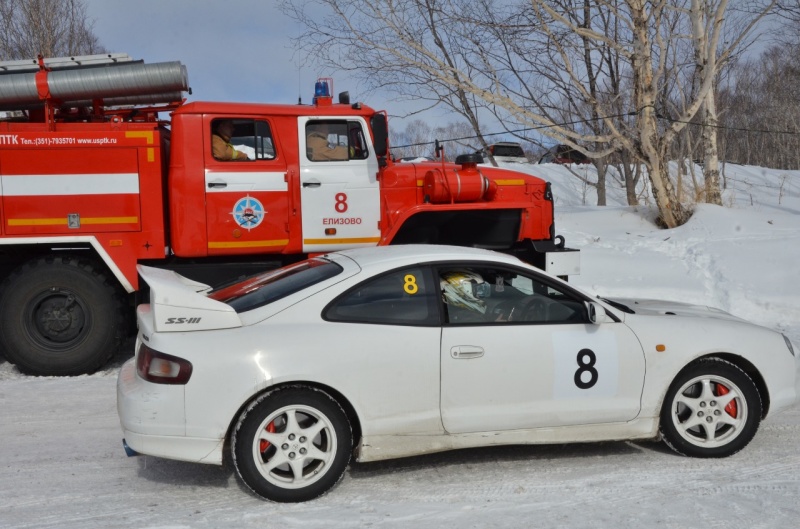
{"x":248,"y":212}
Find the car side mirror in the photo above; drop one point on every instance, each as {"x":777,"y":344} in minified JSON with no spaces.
{"x":597,"y":313}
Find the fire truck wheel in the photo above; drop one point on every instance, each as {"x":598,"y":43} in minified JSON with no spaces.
{"x":59,"y":316}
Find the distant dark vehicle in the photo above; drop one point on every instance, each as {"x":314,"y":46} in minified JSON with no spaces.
{"x":505,"y":152}
{"x":564,"y":154}
{"x":416,"y":159}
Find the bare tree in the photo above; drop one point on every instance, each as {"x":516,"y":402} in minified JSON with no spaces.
{"x":705,"y":15}
{"x":414,"y":141}
{"x":54,"y":28}
{"x":496,"y":59}
{"x":789,"y":10}
{"x":702,"y":26}
{"x":419,"y":139}
{"x":761,"y":118}
{"x":411,"y":26}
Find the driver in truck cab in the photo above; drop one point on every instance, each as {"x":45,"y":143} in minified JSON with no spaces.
{"x":319,"y":148}
{"x":221,"y":146}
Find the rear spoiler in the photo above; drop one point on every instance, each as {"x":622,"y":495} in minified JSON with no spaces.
{"x":180,"y":304}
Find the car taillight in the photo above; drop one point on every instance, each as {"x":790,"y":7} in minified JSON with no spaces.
{"x":161,"y":368}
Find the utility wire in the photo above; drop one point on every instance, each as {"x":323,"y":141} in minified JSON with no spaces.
{"x":658,"y":116}
{"x":515,"y":131}
{"x":738,"y":129}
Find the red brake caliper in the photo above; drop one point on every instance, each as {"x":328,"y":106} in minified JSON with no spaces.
{"x":264,"y":443}
{"x":731,"y":408}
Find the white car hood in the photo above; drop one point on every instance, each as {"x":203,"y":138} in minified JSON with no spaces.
{"x":180,"y":304}
{"x":653,"y":307}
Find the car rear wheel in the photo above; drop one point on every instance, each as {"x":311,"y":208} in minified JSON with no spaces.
{"x":292,"y":444}
{"x":712,"y":409}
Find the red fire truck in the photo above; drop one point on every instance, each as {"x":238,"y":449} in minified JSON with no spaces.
{"x":93,"y":181}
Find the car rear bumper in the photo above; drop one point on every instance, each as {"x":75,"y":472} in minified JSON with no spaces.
{"x":189,"y":449}
{"x":153,"y":420}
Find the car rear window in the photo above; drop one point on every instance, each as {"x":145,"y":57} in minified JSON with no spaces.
{"x":265,"y":288}
{"x":508,"y":150}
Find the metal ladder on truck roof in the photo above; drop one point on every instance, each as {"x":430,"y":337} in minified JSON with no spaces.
{"x":57,"y":63}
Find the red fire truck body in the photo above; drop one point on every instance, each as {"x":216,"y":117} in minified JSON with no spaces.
{"x":90,"y":190}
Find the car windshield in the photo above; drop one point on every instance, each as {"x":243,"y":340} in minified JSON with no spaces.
{"x":267,"y":287}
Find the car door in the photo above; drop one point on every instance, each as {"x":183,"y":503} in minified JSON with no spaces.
{"x":529,"y":358}
{"x":339,"y":192}
{"x":388,"y":329}
{"x":247,"y":201}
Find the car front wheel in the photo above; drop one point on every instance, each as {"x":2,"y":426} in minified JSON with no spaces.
{"x":292,"y":444}
{"x":712,"y":409}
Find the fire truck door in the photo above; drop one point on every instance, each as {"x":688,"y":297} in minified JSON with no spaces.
{"x":247,"y":200}
{"x":339,"y":190}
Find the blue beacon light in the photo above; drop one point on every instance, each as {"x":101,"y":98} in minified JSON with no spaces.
{"x":322,"y":90}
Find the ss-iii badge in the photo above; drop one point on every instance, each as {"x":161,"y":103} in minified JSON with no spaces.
{"x":181,"y":320}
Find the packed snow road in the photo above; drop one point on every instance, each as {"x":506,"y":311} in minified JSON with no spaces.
{"x":62,"y":463}
{"x":63,"y":466}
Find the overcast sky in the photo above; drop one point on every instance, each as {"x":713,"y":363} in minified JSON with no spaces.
{"x":235,"y":50}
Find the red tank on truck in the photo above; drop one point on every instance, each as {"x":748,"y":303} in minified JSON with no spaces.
{"x":104,"y":165}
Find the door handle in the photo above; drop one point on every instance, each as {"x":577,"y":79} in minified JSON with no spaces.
{"x":466,"y":351}
{"x":311,"y":184}
{"x":214,"y":185}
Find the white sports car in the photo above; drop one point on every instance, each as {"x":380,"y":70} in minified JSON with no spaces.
{"x":397,"y":351}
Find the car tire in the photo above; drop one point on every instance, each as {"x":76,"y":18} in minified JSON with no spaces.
{"x":712,"y":409}
{"x":292,"y":444}
{"x":60,"y":316}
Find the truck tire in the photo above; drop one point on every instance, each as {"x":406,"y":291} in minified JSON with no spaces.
{"x":59,"y":316}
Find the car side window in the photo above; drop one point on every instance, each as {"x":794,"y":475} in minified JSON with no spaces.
{"x":479,"y":295}
{"x":401,"y":297}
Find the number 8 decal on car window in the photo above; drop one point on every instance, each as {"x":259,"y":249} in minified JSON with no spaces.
{"x":410,"y":284}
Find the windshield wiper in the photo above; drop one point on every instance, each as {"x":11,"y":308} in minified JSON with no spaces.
{"x":617,"y":305}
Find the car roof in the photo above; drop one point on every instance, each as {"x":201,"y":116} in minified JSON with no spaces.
{"x":418,"y":253}
{"x":506,"y":144}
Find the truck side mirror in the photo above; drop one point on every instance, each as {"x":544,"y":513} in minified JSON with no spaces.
{"x":380,"y":133}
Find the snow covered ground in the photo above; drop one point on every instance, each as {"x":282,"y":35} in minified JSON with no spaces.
{"x":62,"y":464}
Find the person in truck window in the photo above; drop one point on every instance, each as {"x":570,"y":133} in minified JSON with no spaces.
{"x":319,"y":148}
{"x":221,"y":146}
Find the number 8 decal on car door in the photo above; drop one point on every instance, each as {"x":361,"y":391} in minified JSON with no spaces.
{"x":586,"y":361}
{"x":585,"y":366}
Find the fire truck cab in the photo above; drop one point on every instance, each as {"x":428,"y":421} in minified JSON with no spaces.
{"x":282,"y":198}
{"x":94,"y":180}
